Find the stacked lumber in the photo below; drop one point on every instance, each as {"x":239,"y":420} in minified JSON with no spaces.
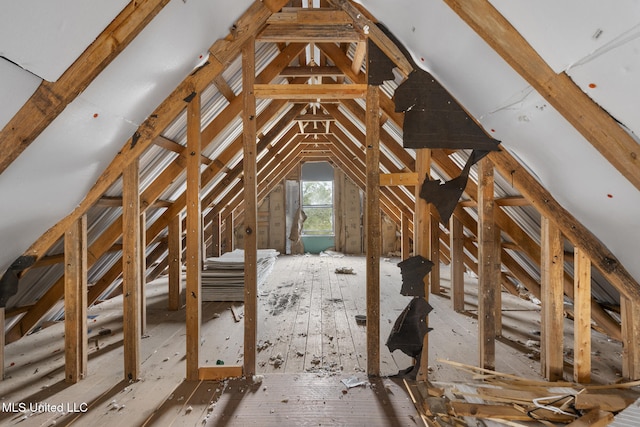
{"x":223,"y":276}
{"x":503,"y":399}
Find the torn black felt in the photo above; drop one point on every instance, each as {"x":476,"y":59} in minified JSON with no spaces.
{"x":379,"y":66}
{"x":9,"y":281}
{"x":408,"y":331}
{"x":413,"y":271}
{"x":445,"y":196}
{"x":434,"y":119}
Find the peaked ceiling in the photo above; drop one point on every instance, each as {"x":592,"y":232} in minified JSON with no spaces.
{"x":556,"y":83}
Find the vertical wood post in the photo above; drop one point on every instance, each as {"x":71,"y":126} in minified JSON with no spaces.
{"x":456,"y":249}
{"x":434,"y":250}
{"x":405,"y":237}
{"x":143,"y":272}
{"x":194,"y":240}
{"x":131,"y":283}
{"x":373,"y":229}
{"x":582,"y":319}
{"x":227,"y":239}
{"x":630,"y":312}
{"x":216,"y":236}
{"x":552,"y":276}
{"x":250,"y":207}
{"x":175,"y":262}
{"x":488,"y":265}
{"x":75,"y":301}
{"x":421,"y":227}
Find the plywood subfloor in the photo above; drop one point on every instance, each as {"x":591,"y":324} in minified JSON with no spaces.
{"x":306,"y":323}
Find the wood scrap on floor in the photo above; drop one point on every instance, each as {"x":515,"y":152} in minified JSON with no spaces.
{"x":512,"y":400}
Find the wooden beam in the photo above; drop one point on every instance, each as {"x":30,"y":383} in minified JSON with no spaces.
{"x":297,"y":33}
{"x":488,"y":266}
{"x":75,"y":301}
{"x":456,"y":252}
{"x":359,"y":56}
{"x":51,"y":98}
{"x":228,"y":243}
{"x":250,"y":206}
{"x":421,"y":226}
{"x":224,"y":88}
{"x":373,"y":231}
{"x":142,"y":263}
{"x":402,"y":178}
{"x":310,"y":92}
{"x":194,"y":239}
{"x":131,"y":281}
{"x":434,"y":250}
{"x":593,"y":418}
{"x":170,"y":145}
{"x":405,"y":236}
{"x":376,"y":35}
{"x":552,"y":322}
{"x":582,"y":317}
{"x":630,"y":313}
{"x":218,"y":373}
{"x":175,"y":263}
{"x":311,"y":71}
{"x":310,"y":16}
{"x":216,"y":236}
{"x":587,"y":117}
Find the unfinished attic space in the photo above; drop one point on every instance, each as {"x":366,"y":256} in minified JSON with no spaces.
{"x":320,"y":212}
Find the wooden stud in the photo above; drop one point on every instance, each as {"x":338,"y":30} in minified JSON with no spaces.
{"x":552,"y":324}
{"x":131,"y":283}
{"x":373,"y":230}
{"x":421,"y":226}
{"x":582,"y":316}
{"x":228,"y":243}
{"x":434,"y":250}
{"x":359,"y":56}
{"x":488,"y":265}
{"x":216,"y":236}
{"x":310,"y":92}
{"x":400,"y":178}
{"x":250,"y":207}
{"x":405,"y":237}
{"x":217,"y":373}
{"x":630,"y":313}
{"x":175,"y":262}
{"x":194,"y":239}
{"x":75,"y":301}
{"x":456,"y":252}
{"x":143,"y":273}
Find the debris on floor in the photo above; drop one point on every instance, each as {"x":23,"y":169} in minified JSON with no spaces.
{"x":344,"y":270}
{"x":509,"y":399}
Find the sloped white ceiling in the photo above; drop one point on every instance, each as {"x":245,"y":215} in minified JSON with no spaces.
{"x":594,"y":42}
{"x":599,"y":45}
{"x":45,"y":37}
{"x":55,"y":172}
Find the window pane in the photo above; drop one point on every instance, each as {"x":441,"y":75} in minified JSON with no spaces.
{"x":319,"y":221}
{"x":317,"y":193}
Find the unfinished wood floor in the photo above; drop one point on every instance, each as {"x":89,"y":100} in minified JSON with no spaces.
{"x":309,"y":342}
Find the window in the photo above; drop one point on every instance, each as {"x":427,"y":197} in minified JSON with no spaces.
{"x":317,"y":204}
